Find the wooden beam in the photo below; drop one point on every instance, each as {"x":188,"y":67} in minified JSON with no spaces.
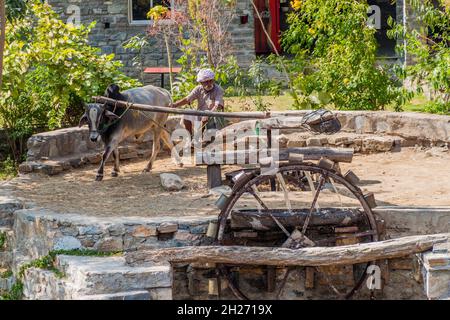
{"x":261,"y":221}
{"x":314,"y":256}
{"x":247,"y":156}
{"x":145,"y":107}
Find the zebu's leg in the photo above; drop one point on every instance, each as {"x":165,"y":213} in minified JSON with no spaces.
{"x":115,"y":172}
{"x":110,"y":147}
{"x":155,"y":149}
{"x":101,"y":169}
{"x":168,"y":142}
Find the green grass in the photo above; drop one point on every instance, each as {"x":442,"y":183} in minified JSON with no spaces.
{"x":417,"y":104}
{"x":15,"y":293}
{"x":285,"y":102}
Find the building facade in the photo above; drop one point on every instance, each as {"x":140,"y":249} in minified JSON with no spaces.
{"x":119,"y":20}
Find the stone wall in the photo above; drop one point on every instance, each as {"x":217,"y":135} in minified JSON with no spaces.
{"x":34,"y":232}
{"x":38,"y":231}
{"x":113,"y":29}
{"x":56,"y":151}
{"x":366,"y":132}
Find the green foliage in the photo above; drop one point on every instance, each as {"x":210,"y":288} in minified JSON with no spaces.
{"x":6,"y":274}
{"x":7,"y":170}
{"x":258,"y":84}
{"x":334,"y":57}
{"x":48,"y":262}
{"x":15,"y":8}
{"x":428,"y":48}
{"x":49,"y":71}
{"x":15,"y":293}
{"x":236,"y":81}
{"x":228,"y":74}
{"x":83,"y":253}
{"x":2,"y":240}
{"x":137,"y":44}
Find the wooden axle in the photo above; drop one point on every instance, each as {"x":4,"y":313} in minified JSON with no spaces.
{"x":261,"y":221}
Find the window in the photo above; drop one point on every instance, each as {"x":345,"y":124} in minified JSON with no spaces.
{"x":138,"y":9}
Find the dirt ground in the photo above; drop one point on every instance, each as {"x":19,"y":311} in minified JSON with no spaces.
{"x":409,"y":178}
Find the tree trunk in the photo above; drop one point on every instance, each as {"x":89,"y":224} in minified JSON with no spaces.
{"x":169,"y":61}
{"x":314,"y":256}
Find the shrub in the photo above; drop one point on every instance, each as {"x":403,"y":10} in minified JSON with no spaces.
{"x":428,"y":48}
{"x":49,"y":71}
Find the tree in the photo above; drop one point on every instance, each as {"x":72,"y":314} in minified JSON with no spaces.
{"x":50,"y":70}
{"x":168,"y":24}
{"x":334,"y":56}
{"x":2,"y":37}
{"x":428,"y":48}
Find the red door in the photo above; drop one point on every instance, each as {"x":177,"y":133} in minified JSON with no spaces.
{"x":261,"y":44}
{"x":270,"y":13}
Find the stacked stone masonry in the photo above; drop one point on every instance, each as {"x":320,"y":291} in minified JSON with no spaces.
{"x":365,"y":132}
{"x":113,"y":28}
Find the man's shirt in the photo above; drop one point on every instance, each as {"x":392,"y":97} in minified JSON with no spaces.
{"x":207,"y":99}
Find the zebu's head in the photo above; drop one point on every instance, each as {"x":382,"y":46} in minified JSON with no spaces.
{"x":97,"y":117}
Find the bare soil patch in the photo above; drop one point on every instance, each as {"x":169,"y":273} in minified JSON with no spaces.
{"x":408,"y":178}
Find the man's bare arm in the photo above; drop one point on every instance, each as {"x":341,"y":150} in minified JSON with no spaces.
{"x":180,"y":103}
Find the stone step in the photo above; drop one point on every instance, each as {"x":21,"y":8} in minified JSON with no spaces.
{"x":7,"y":207}
{"x":129,"y":295}
{"x":6,"y":236}
{"x":6,"y":283}
{"x":101,"y":275}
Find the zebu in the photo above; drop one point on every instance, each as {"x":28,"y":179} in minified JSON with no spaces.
{"x":114,"y":124}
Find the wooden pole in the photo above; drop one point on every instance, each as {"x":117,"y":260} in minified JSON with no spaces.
{"x":313,"y":256}
{"x":144,"y":107}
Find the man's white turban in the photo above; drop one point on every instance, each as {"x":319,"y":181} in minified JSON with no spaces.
{"x":205,"y":75}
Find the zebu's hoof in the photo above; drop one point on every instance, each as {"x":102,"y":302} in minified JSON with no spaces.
{"x":99,"y":177}
{"x":181,"y":165}
{"x":114,"y":174}
{"x":146,"y":170}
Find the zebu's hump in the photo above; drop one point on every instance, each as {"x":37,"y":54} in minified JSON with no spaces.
{"x":148,"y":95}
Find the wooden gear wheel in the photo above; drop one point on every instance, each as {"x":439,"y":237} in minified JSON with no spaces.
{"x":296,"y":205}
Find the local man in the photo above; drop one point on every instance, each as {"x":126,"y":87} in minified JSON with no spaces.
{"x":209,"y":96}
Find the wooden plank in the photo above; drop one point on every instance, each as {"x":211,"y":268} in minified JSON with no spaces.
{"x":271,"y":278}
{"x":309,"y":277}
{"x":315,"y":256}
{"x":262,"y":221}
{"x":214,"y":176}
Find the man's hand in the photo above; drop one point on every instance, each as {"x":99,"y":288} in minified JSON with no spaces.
{"x":205,"y":118}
